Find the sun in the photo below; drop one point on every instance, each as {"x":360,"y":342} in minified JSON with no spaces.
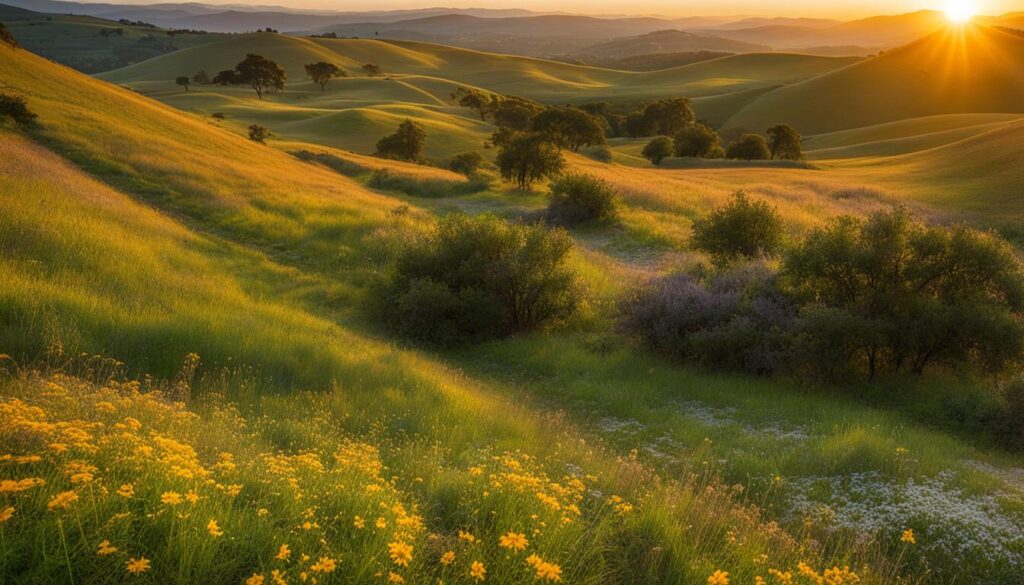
{"x":960,"y":11}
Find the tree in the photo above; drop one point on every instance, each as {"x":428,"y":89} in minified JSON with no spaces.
{"x":372,"y":70}
{"x":658,"y":149}
{"x":638,"y":125}
{"x":6,"y":37}
{"x":668,"y":117}
{"x":16,"y":108}
{"x":405,"y":144}
{"x":226,"y":77}
{"x":569,"y":127}
{"x":748,"y":147}
{"x":784,"y":142}
{"x":514,"y":112}
{"x":473,"y":99}
{"x":259,"y":73}
{"x":466,"y":163}
{"x":578,"y":198}
{"x":201,"y":78}
{"x":740,"y":229}
{"x":698,"y":140}
{"x":182,"y":81}
{"x":322,"y":72}
{"x":529,"y":157}
{"x":478,"y":277}
{"x":258,"y":133}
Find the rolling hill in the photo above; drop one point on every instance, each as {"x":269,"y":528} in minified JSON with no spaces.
{"x":664,"y":41}
{"x":972,"y":69}
{"x":92,"y":44}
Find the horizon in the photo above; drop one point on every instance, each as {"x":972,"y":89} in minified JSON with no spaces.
{"x":846,"y":10}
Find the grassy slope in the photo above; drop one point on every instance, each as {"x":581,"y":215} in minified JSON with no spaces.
{"x":292,"y":243}
{"x":973,"y":69}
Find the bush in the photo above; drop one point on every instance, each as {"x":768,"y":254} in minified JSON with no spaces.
{"x":16,"y":108}
{"x":658,"y":149}
{"x":578,"y":198}
{"x":908,"y":296}
{"x":6,"y":37}
{"x":258,"y":133}
{"x":740,"y":320}
{"x":741,"y":229}
{"x":475,"y":278}
{"x":466,"y":163}
{"x":749,"y":147}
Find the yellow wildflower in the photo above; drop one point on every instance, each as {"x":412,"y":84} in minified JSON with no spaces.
{"x":63,"y":500}
{"x":126,"y":490}
{"x":513,"y":540}
{"x":10,"y":486}
{"x":214,"y":528}
{"x":908,"y":536}
{"x":137,"y":565}
{"x":278,"y":577}
{"x":256,"y":579}
{"x":106,"y":549}
{"x":381,"y":523}
{"x":477,"y":571}
{"x":283,"y":553}
{"x":395,"y":578}
{"x":448,"y":558}
{"x":261,"y":513}
{"x":534,"y":560}
{"x":359,"y":522}
{"x":6,"y":514}
{"x":719,"y":578}
{"x":192,"y":496}
{"x":170,"y":498}
{"x":401,"y":553}
{"x":549,"y":571}
{"x":467,"y":536}
{"x":324,"y":565}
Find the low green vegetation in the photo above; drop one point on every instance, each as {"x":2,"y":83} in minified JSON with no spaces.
{"x":577,"y":198}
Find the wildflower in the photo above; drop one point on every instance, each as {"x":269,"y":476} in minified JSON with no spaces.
{"x":278,"y":577}
{"x":10,"y":486}
{"x":233,"y":490}
{"x":137,"y":565}
{"x":324,"y":565}
{"x":192,"y":497}
{"x":106,"y":549}
{"x":381,"y":523}
{"x":214,"y":529}
{"x":283,"y":553}
{"x":448,"y":558}
{"x":467,"y":536}
{"x":395,"y":578}
{"x":262,"y":512}
{"x":256,"y":579}
{"x":908,"y":536}
{"x":63,"y":500}
{"x":359,"y":522}
{"x":170,"y":498}
{"x":126,"y":490}
{"x":401,"y":553}
{"x":514,"y":541}
{"x":477,"y":571}
{"x":83,"y":477}
{"x":6,"y":514}
{"x":58,"y":447}
{"x":534,"y":560}
{"x":719,"y":578}
{"x":784,"y":577}
{"x":548,"y":571}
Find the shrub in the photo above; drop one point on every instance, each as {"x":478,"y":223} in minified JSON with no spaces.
{"x":748,"y":147}
{"x":405,"y":144}
{"x":741,"y":229}
{"x":699,"y":141}
{"x":527,"y":158}
{"x":258,"y":133}
{"x":600,"y":153}
{"x":908,"y":295}
{"x":466,"y":163}
{"x":6,"y":37}
{"x":16,"y":108}
{"x":578,"y":198}
{"x":740,"y":320}
{"x":658,"y":149}
{"x":480,"y":277}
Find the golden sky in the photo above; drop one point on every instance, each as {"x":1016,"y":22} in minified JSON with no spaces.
{"x":842,"y":9}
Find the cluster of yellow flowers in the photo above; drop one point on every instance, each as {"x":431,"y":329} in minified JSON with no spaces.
{"x":807,"y":574}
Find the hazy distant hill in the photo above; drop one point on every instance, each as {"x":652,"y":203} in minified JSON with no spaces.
{"x":665,"y":41}
{"x":972,"y":69}
{"x":656,"y":61}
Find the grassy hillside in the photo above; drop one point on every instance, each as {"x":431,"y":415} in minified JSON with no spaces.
{"x":970,"y":69}
{"x":93,"y":44}
{"x":143,"y":233}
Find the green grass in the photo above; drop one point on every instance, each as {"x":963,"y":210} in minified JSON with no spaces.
{"x":171,"y":235}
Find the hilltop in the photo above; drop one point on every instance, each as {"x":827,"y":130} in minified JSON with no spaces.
{"x":973,"y":69}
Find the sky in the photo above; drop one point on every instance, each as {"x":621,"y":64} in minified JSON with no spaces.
{"x":843,"y":9}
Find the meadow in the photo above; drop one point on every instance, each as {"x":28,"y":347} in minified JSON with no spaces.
{"x":193,"y":393}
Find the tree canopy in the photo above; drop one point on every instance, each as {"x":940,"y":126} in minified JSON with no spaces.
{"x":748,"y":147}
{"x":698,"y":140}
{"x":784,"y":142}
{"x":569,"y":127}
{"x":405,"y":144}
{"x":527,"y":158}
{"x":322,"y":72}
